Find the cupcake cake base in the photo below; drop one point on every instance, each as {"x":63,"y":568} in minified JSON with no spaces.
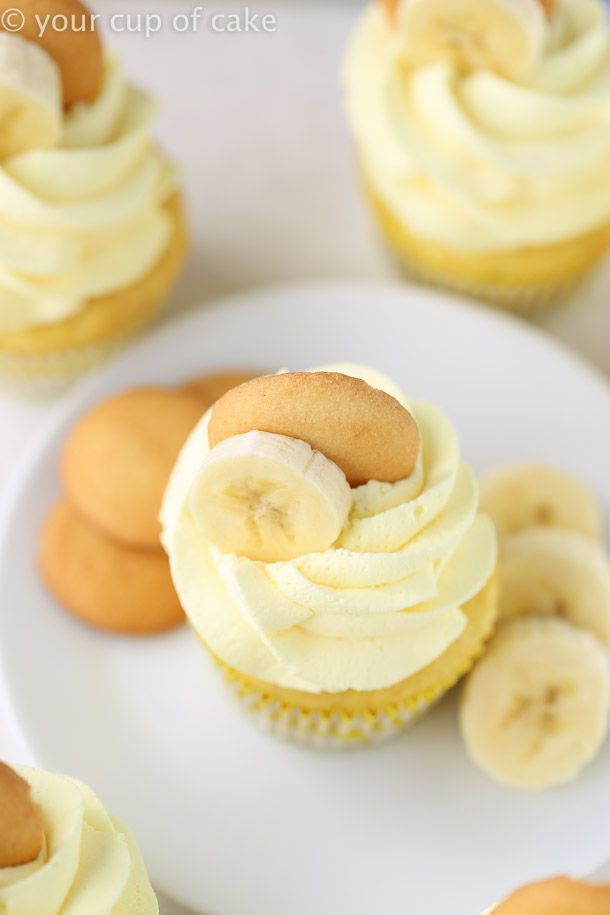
{"x":43,"y":360}
{"x":353,"y":719}
{"x":521,"y":281}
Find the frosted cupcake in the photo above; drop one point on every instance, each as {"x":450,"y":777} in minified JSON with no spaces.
{"x":325,"y":543}
{"x":91,"y":227}
{"x":60,"y":852}
{"x":480,"y":129}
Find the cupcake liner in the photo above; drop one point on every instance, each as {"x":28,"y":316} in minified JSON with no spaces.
{"x":353,"y":719}
{"x":340,"y":728}
{"x":43,"y":361}
{"x":520,"y":299}
{"x":356,"y":718}
{"x":47,"y":375}
{"x":521,"y":281}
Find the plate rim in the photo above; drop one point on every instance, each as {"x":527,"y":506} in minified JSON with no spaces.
{"x":63,"y":408}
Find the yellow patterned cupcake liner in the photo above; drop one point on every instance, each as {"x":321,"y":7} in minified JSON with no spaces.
{"x":521,"y":281}
{"x":518,"y":299}
{"x":44,"y":360}
{"x":339,"y":729}
{"x":45,"y":375}
{"x":352,"y":719}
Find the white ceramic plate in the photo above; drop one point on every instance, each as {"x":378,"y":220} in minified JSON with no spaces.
{"x":233,"y":822}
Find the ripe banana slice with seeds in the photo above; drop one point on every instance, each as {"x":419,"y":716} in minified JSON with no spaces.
{"x":269,"y":497}
{"x":535,"y":709}
{"x":30,"y":96}
{"x":547,"y":572}
{"x":505,"y":36}
{"x":532,"y":495}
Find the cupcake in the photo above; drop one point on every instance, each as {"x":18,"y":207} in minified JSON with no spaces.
{"x":480,"y":130}
{"x":61,"y":852}
{"x":325,"y":543}
{"x":91,"y":227}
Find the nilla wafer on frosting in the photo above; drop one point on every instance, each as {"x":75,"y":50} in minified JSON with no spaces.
{"x":365,"y":431}
{"x":21,"y":824}
{"x":67,"y":31}
{"x":390,"y":6}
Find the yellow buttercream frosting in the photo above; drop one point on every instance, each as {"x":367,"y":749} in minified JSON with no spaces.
{"x":474,"y":161}
{"x":86,"y":218}
{"x":89,"y":864}
{"x":382,"y":603}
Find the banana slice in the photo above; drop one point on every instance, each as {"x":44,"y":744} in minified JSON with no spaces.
{"x":546,"y":572}
{"x":535,"y":709}
{"x":269,"y":497}
{"x":533,"y":495}
{"x":505,"y":36}
{"x":30,"y":96}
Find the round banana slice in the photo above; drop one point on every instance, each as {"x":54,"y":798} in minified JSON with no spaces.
{"x":533,"y":495}
{"x":30,"y":97}
{"x":535,"y":709}
{"x":269,"y":497}
{"x":505,"y":36}
{"x":546,"y":572}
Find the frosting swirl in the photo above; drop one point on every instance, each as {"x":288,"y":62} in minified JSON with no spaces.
{"x":475,"y":161}
{"x":379,"y":605}
{"x":89,"y":862}
{"x":86,"y":218}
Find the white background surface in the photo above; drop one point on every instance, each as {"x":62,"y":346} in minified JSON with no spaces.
{"x":256,"y":121}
